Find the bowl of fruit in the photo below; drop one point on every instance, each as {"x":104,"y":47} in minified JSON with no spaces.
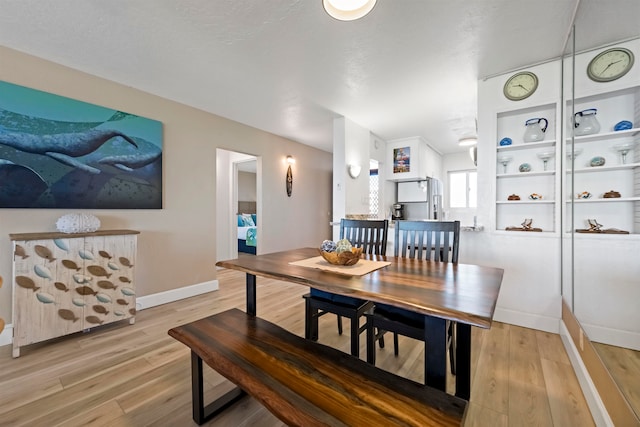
{"x":340,"y":252}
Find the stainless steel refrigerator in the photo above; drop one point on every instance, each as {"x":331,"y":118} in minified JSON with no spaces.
{"x":422,"y":200}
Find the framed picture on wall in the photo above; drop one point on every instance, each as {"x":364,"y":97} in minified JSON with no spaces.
{"x":402,"y":160}
{"x":56,"y":152}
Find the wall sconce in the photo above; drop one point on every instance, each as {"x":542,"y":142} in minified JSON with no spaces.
{"x":354,"y":171}
{"x":289,"y":177}
{"x":348,"y":10}
{"x":473,"y":153}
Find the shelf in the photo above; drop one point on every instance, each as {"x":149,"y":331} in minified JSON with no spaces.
{"x":525,"y":174}
{"x":525,"y":202}
{"x":526,"y":145}
{"x":606,"y":168}
{"x":608,"y":200}
{"x":605,"y":135}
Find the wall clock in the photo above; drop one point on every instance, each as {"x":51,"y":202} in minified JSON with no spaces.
{"x":520,"y":86}
{"x":610,"y":64}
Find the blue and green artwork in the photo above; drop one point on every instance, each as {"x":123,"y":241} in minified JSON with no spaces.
{"x":56,"y":152}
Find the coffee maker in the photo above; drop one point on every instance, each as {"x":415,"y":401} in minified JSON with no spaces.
{"x":398,"y":211}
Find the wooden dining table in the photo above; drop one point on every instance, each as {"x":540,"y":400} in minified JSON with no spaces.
{"x":463,"y":293}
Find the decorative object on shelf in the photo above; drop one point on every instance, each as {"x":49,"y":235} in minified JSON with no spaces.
{"x":597,"y":161}
{"x":611,"y":195}
{"x":610,"y":64}
{"x":595,"y":227}
{"x":624,"y":149}
{"x":583,"y":195}
{"x":505,"y":141}
{"x":513,"y":197}
{"x":520,"y":86}
{"x":504,"y":161}
{"x":576,"y":152}
{"x":585,"y":122}
{"x":534,"y":129}
{"x":77,"y":223}
{"x":623,"y":125}
{"x":545,"y":156}
{"x":535,"y":196}
{"x":526,"y":226}
{"x":525,"y":167}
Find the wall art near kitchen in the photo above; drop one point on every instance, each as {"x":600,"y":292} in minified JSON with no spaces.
{"x":56,"y":152}
{"x":402,"y":160}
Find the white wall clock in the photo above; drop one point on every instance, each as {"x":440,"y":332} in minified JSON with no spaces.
{"x":520,"y":86}
{"x":610,"y":64}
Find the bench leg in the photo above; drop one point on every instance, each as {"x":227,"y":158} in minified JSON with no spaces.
{"x":202,"y":414}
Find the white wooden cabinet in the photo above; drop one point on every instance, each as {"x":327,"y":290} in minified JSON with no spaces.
{"x":65,"y":283}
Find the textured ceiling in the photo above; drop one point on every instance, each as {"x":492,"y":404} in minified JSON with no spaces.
{"x":409,"y":68}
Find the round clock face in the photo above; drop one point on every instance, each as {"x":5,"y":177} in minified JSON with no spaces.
{"x":610,"y":65}
{"x":520,"y":86}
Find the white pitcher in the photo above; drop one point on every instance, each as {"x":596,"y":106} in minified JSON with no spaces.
{"x":585,"y":122}
{"x":534,"y":129}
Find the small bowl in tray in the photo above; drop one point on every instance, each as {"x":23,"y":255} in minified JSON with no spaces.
{"x":343,"y":258}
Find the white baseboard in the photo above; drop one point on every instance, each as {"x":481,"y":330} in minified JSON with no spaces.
{"x":165,"y":297}
{"x":616,"y":337}
{"x":591,"y":395}
{"x":147,"y":301}
{"x":527,"y":320}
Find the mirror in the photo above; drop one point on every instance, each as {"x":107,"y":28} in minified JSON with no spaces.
{"x":601,"y":272}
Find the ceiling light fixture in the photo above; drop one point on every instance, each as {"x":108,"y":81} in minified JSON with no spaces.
{"x":348,"y":10}
{"x":468,"y":141}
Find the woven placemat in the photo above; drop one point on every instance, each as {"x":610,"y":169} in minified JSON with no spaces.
{"x":364,"y":266}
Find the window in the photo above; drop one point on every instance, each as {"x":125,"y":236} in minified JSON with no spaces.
{"x":463,"y":189}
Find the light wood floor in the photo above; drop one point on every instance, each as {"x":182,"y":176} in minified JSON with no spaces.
{"x":136,"y":375}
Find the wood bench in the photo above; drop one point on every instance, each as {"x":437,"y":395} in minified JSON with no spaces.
{"x":302,"y":382}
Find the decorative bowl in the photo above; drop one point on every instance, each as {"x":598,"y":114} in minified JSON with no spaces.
{"x":597,"y":161}
{"x":611,"y":194}
{"x":505,"y":141}
{"x":623,"y":125}
{"x":525,"y":167}
{"x":343,"y":258}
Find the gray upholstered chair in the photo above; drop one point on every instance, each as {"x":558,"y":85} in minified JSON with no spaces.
{"x":371,"y":235}
{"x":436,"y":241}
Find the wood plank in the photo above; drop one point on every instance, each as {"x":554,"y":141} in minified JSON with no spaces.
{"x":490,"y":384}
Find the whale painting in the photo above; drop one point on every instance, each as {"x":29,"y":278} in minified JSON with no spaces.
{"x":56,"y":152}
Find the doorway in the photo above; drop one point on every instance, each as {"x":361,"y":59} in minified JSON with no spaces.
{"x":237,"y":199}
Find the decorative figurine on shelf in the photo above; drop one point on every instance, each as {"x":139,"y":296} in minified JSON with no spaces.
{"x":611,"y":195}
{"x":535,"y":196}
{"x":525,"y":167}
{"x":526,"y":226}
{"x":583,"y":195}
{"x":513,"y":197}
{"x":597,"y":161}
{"x":595,"y":227}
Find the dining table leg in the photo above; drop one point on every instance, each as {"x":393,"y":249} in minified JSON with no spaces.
{"x":251,"y":294}
{"x":435,"y":330}
{"x":463,"y":360}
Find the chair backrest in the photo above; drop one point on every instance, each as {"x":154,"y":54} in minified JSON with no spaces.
{"x":371,"y":235}
{"x":430,"y":240}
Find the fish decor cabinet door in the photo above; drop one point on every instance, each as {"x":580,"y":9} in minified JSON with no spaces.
{"x":65,"y":283}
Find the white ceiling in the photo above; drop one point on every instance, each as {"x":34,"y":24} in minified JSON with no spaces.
{"x":409,"y":68}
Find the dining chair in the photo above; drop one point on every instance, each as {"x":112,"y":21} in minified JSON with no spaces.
{"x":436,"y":241}
{"x":371,"y":235}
